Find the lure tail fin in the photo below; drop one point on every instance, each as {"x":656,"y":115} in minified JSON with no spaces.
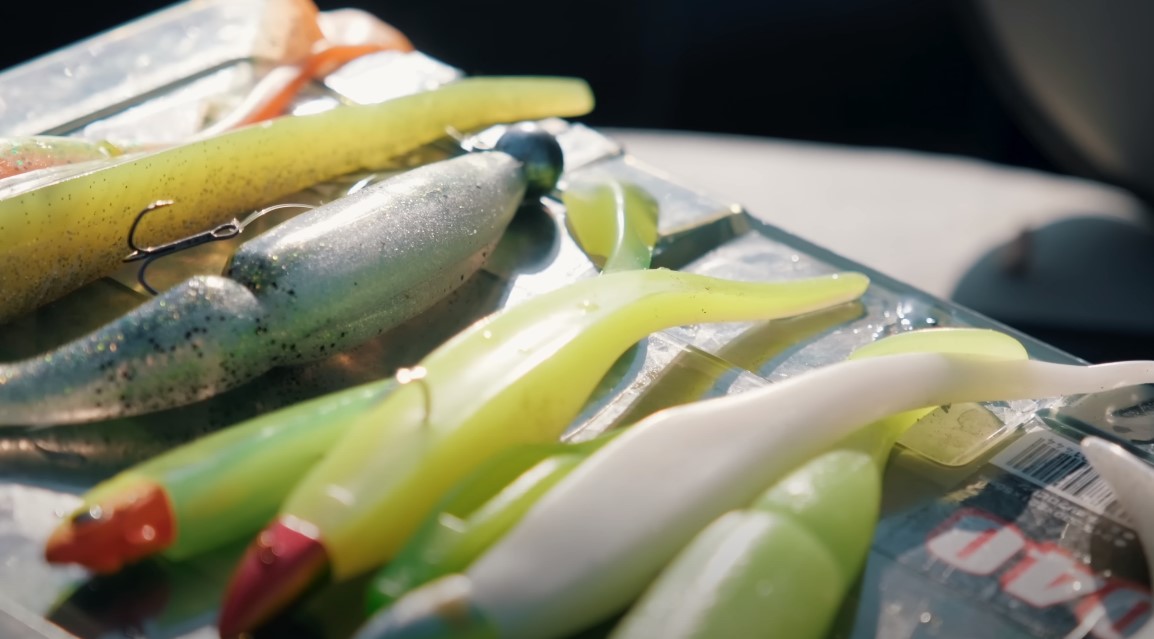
{"x":878,"y":438}
{"x":187,"y":344}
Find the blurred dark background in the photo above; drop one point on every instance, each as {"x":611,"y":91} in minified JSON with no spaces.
{"x":902,"y":73}
{"x":893,"y":73}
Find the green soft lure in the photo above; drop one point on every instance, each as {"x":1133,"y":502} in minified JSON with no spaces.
{"x":615,"y":222}
{"x":527,"y":371}
{"x":210,"y":492}
{"x":591,"y":546}
{"x":781,"y":567}
{"x":777,"y":569}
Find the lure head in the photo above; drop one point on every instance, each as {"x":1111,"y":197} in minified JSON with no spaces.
{"x":539,"y":153}
{"x":284,"y":562}
{"x":125,"y":527}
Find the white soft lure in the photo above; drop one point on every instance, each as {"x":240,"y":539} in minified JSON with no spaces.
{"x":635,"y":503}
{"x":1133,"y":482}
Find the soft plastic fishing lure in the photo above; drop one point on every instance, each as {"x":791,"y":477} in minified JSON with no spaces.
{"x":782,"y":566}
{"x":615,"y":222}
{"x":311,"y":287}
{"x":267,"y":100}
{"x":724,"y":559}
{"x":527,"y":372}
{"x":779,"y":568}
{"x":1133,"y":482}
{"x":196,"y":497}
{"x":546,"y":579}
{"x":205,"y":494}
{"x":343,"y":36}
{"x":60,"y":235}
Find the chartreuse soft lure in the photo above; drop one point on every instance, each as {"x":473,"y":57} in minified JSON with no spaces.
{"x":782,"y":566}
{"x":519,"y":376}
{"x":224,"y":487}
{"x":61,"y":235}
{"x":213,"y":491}
{"x":617,"y":514}
{"x":615,"y":222}
{"x":474,"y":515}
{"x":830,"y":506}
{"x":311,"y":287}
{"x":777,"y":569}
{"x":619,"y":227}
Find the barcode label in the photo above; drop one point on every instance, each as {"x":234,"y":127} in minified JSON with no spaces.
{"x":1057,"y":464}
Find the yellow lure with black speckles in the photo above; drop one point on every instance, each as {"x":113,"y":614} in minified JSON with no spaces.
{"x":61,"y":235}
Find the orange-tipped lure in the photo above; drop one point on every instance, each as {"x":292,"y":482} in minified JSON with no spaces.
{"x":519,"y":376}
{"x":208,"y":493}
{"x":136,"y":523}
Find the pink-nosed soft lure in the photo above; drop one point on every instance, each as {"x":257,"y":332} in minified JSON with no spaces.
{"x":311,"y":287}
{"x":618,"y":514}
{"x":518,"y":377}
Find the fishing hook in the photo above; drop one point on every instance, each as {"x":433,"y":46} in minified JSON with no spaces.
{"x":228,"y":230}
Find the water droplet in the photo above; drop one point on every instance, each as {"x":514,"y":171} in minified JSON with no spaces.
{"x":409,"y":375}
{"x":265,"y":551}
{"x":487,"y":334}
{"x":925,"y":617}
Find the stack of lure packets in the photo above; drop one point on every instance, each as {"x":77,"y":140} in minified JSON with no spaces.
{"x":424,"y":358}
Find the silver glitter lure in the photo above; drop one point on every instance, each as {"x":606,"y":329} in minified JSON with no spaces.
{"x":317,"y":284}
